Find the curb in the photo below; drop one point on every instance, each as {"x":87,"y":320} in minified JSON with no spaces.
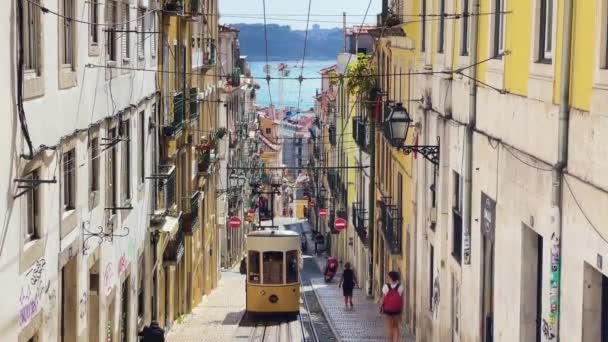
{"x":328,"y":317}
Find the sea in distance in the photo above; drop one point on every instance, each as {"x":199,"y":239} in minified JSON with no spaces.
{"x":284,"y":93}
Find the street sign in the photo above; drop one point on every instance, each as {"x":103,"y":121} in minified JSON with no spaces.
{"x":322,"y":212}
{"x":340,"y":224}
{"x":312,"y":204}
{"x":234,"y":222}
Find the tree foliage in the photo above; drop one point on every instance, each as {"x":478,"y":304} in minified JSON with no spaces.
{"x":361,"y":76}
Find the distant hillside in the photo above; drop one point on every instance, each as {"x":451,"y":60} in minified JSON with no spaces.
{"x":285,"y":44}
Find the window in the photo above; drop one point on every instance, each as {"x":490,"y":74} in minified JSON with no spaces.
{"x":431,"y":263}
{"x":69,"y":180}
{"x":94,"y":19}
{"x":33,"y":208}
{"x":140,"y":32}
{"x":66,"y":53}
{"x":441,"y":40}
{"x":498,"y":29}
{"x":140,"y":289}
{"x":253,"y":266}
{"x":545,"y":41}
{"x":268,"y":131}
{"x":126,"y":35}
{"x":111,"y":172}
{"x":292,"y":267}
{"x":273,"y":267}
{"x":423,"y":23}
{"x":464,"y":29}
{"x":111,"y":19}
{"x":94,"y":165}
{"x":142,"y":147}
{"x":31,"y":37}
{"x":457,"y":217}
{"x":153,"y":35}
{"x":126,"y":160}
{"x":399,"y":193}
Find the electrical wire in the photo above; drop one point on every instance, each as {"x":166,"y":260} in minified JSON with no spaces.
{"x":524,"y":162}
{"x":268,"y":78}
{"x":580,"y":208}
{"x":303,"y":55}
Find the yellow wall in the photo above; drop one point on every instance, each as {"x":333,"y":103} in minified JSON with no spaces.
{"x":517,"y":62}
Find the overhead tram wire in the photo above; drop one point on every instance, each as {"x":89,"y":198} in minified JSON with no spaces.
{"x":304,"y":55}
{"x":268,"y":78}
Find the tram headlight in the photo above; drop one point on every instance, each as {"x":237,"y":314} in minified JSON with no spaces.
{"x":273,"y":299}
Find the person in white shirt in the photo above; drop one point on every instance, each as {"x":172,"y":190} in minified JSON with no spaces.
{"x":392,"y":305}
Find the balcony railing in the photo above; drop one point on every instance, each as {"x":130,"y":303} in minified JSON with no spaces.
{"x":177,"y":121}
{"x":361,"y":133}
{"x":190,"y":206}
{"x":175,"y":247}
{"x":193,"y":103}
{"x":392,"y":225}
{"x":360,"y":221}
{"x":169,"y":191}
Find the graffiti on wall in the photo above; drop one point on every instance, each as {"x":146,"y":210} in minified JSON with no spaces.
{"x":82,"y":305}
{"x":436,"y":295}
{"x":549,"y":324}
{"x":108,"y":277}
{"x":123,"y":263}
{"x":34,"y":287}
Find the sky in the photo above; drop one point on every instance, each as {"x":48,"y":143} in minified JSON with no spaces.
{"x":325,"y":13}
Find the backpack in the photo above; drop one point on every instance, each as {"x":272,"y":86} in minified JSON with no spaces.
{"x":393,"y":301}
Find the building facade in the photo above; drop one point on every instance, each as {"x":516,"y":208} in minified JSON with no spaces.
{"x":512,"y":93}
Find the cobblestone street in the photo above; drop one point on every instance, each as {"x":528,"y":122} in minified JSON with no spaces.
{"x":217,"y":317}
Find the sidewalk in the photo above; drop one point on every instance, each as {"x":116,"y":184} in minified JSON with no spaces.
{"x":361,"y":323}
{"x":217,"y":317}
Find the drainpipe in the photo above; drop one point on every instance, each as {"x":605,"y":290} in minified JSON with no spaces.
{"x":468,"y":192}
{"x":372,"y":201}
{"x":560,"y":166}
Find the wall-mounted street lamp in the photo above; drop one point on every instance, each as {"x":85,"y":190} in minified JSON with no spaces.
{"x":397,"y":125}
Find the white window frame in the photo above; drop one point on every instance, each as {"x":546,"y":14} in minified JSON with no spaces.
{"x":94,"y":27}
{"x":125,"y":41}
{"x":545,"y":19}
{"x":441,"y":27}
{"x":69,"y":189}
{"x":601,"y":69}
{"x":67,"y":67}
{"x":153,"y":35}
{"x":465,"y":28}
{"x":141,"y":158}
{"x":495,"y":50}
{"x":542,"y":75}
{"x":126,"y":162}
{"x":33,"y":200}
{"x":141,"y":33}
{"x":496,"y":66}
{"x":33,"y":78}
{"x":111,"y":15}
{"x":111,"y":178}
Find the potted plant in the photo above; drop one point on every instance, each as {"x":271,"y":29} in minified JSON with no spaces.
{"x":220,"y":133}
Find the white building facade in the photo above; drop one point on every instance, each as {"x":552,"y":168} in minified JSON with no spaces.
{"x":73,"y":256}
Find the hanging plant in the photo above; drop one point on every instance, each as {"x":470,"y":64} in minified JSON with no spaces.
{"x":220,"y":133}
{"x":361,"y":76}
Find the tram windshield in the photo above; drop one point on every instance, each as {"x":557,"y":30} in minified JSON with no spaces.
{"x":292,"y":267}
{"x":254,"y":267}
{"x":273,"y":267}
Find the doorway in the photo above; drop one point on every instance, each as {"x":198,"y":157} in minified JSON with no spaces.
{"x":69,"y":301}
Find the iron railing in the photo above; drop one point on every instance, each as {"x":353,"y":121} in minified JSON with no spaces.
{"x":193,"y":103}
{"x":169,"y":191}
{"x":175,"y":247}
{"x":392,"y":225}
{"x":359,"y":221}
{"x":361,"y":133}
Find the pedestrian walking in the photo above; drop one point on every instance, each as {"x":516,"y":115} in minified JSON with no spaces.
{"x":348,"y":282}
{"x":243,"y":267}
{"x":152,"y":333}
{"x":392,"y":305}
{"x":319,"y":241}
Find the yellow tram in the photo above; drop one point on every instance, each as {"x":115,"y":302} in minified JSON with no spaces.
{"x":273,"y":271}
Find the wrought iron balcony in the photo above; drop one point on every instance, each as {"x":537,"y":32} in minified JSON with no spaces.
{"x":332,"y":135}
{"x":175,"y":247}
{"x":164,"y":192}
{"x":174,"y":7}
{"x":392,"y":225}
{"x":190,"y":218}
{"x":193,"y":103}
{"x":177,"y":119}
{"x":360,"y":221}
{"x":361,"y":133}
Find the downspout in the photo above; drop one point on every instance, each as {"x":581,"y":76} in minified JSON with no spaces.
{"x":470,"y":128}
{"x":560,"y":166}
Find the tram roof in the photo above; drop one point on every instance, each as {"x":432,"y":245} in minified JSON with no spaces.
{"x":273,"y":232}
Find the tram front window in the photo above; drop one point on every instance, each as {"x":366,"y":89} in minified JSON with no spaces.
{"x":254,"y":267}
{"x":273,"y":268}
{"x":292,"y":267}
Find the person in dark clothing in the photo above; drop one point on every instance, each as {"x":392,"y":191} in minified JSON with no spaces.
{"x":319,"y":241}
{"x":243,"y":267}
{"x":348,"y":282}
{"x":152,"y":333}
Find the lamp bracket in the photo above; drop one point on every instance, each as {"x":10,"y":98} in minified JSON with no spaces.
{"x":429,"y":152}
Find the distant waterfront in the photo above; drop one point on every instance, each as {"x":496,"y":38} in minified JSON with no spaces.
{"x":290,"y":87}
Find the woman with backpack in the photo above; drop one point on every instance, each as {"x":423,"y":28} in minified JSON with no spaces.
{"x":392,"y":305}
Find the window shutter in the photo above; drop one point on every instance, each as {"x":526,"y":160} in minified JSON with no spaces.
{"x":153,"y":36}
{"x":125,"y":35}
